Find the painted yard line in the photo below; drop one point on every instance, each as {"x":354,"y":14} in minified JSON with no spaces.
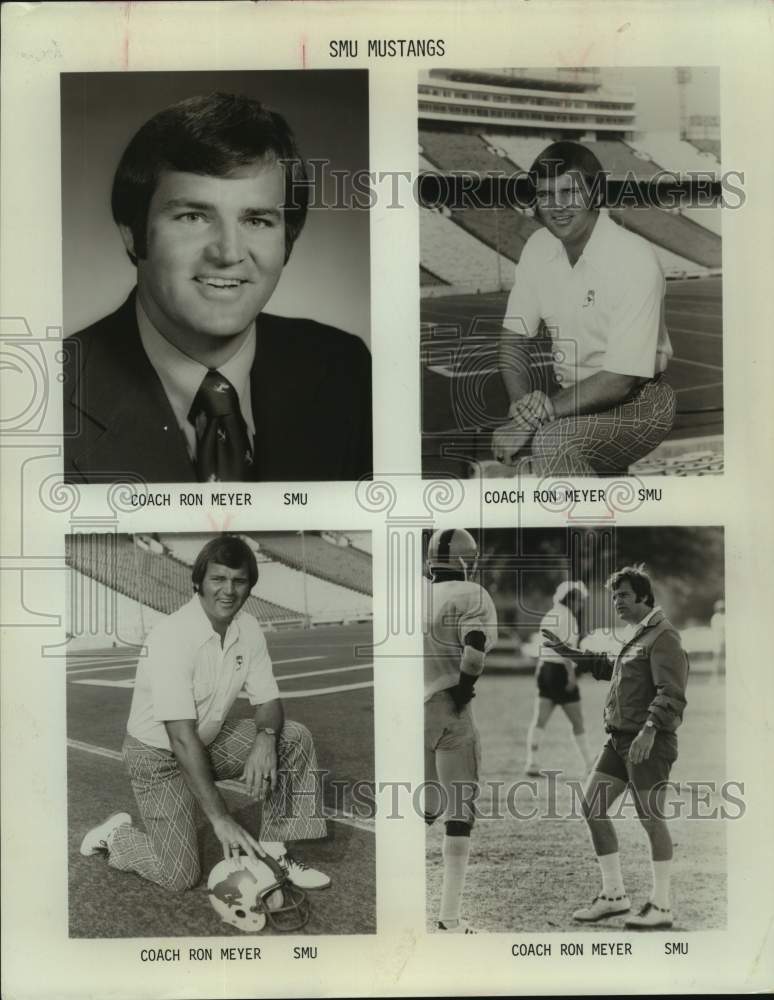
{"x":696,"y":364}
{"x":329,"y":670}
{"x":91,"y":670}
{"x":697,"y":388}
{"x":309,"y":692}
{"x":298,"y":659}
{"x":683,"y":332}
{"x":312,"y":692}
{"x":234,"y":786}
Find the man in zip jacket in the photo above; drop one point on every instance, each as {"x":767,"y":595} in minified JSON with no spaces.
{"x":643,"y":709}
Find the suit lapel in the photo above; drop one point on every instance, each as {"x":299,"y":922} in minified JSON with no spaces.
{"x":128,"y":427}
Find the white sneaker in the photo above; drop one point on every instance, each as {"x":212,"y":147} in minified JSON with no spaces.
{"x":650,"y":918}
{"x":462,"y":928}
{"x":99,"y":837}
{"x":603,"y":906}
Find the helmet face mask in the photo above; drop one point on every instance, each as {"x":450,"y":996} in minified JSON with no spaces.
{"x":452,"y":550}
{"x":249,"y":894}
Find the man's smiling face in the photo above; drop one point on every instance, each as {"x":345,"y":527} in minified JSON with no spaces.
{"x":562,"y":206}
{"x":215,"y":252}
{"x":222,"y":593}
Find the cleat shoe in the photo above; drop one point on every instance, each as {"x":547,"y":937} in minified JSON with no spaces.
{"x":99,"y":837}
{"x":302,"y":875}
{"x":461,"y":928}
{"x":603,"y":906}
{"x":650,"y":918}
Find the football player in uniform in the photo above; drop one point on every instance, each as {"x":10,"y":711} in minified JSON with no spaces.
{"x":459,"y":629}
{"x":555,"y":675}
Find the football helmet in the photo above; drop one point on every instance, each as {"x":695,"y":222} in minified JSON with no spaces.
{"x":454,"y":550}
{"x":248,"y":893}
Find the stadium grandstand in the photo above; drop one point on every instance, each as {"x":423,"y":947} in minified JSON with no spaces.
{"x":497,"y":122}
{"x":492,"y":124}
{"x":121,"y":584}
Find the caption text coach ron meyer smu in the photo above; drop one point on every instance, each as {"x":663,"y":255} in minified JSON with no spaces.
{"x":190,"y":380}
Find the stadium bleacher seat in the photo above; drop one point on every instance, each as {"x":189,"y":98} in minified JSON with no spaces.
{"x":340,"y":564}
{"x":505,"y":228}
{"x":521,"y":149}
{"x":621,"y":160}
{"x":458,"y":257}
{"x":161,"y":582}
{"x":460,"y":152}
{"x":675,"y":233}
{"x":711,"y":146}
{"x":428,"y":280}
{"x":672,"y":153}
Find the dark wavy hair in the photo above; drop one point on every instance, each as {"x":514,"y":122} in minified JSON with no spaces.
{"x":227,"y":550}
{"x":559,"y":158}
{"x":213,"y":135}
{"x":639,"y":581}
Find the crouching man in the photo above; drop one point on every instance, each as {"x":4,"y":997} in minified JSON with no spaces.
{"x":180,"y":740}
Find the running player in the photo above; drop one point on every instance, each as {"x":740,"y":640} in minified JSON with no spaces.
{"x":460,"y":627}
{"x":555,"y":674}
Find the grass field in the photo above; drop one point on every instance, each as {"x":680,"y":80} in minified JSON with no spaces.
{"x":529,"y":875}
{"x":326,"y":680}
{"x":459,"y":337}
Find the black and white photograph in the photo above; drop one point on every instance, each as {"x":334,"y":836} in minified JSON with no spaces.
{"x":219,"y":725}
{"x":571,"y":271}
{"x":610,"y":814}
{"x":216,"y":279}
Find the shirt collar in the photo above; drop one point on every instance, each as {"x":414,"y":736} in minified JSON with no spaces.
{"x":652,"y":618}
{"x":181,"y":375}
{"x":200,"y":627}
{"x":593,"y":252}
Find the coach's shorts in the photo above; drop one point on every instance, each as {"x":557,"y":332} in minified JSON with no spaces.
{"x":552,"y":683}
{"x":452,"y":759}
{"x":614,"y":759}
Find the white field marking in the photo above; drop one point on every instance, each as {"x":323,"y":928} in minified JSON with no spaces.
{"x":312,"y":692}
{"x":682,"y":332}
{"x":328,"y":670}
{"x":308,"y":693}
{"x":695,"y":364}
{"x":233,"y":786}
{"x":298,"y":659}
{"x":696,"y":388}
{"x":90,"y":670}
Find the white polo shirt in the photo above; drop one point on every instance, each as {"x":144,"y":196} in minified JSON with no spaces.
{"x":452,"y":609}
{"x":605,"y":313}
{"x":563,"y":623}
{"x":187,"y":674}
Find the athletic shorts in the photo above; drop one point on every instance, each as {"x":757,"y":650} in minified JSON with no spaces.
{"x":614,"y":759}
{"x":452,"y":759}
{"x":552,"y":683}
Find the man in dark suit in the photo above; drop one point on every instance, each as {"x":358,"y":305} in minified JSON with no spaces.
{"x":189,"y":379}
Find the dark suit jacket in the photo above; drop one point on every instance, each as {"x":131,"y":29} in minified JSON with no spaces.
{"x":311,"y":396}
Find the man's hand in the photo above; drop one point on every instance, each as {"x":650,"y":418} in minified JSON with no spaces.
{"x":562,"y":648}
{"x":461,"y":696}
{"x":260,"y":773}
{"x":234,"y":839}
{"x":526,"y":415}
{"x":641,"y":745}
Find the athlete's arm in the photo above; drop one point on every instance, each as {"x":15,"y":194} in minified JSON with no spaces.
{"x":471,"y":668}
{"x":600,"y":391}
{"x":596,"y":664}
{"x":195,"y":765}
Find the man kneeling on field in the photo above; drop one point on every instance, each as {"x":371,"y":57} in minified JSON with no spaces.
{"x":179,"y":740}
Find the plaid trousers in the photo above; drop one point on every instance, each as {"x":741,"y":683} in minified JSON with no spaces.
{"x":167,"y":853}
{"x":606,"y":442}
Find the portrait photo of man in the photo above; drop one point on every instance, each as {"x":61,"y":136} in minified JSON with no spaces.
{"x":192,"y":378}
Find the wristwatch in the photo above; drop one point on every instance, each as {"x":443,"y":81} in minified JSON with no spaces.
{"x":650,"y":724}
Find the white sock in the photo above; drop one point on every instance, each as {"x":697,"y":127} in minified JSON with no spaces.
{"x":274,"y":848}
{"x":456,"y":851}
{"x":582,"y":745}
{"x":612,"y":879}
{"x":661,"y":873}
{"x":534,"y":735}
